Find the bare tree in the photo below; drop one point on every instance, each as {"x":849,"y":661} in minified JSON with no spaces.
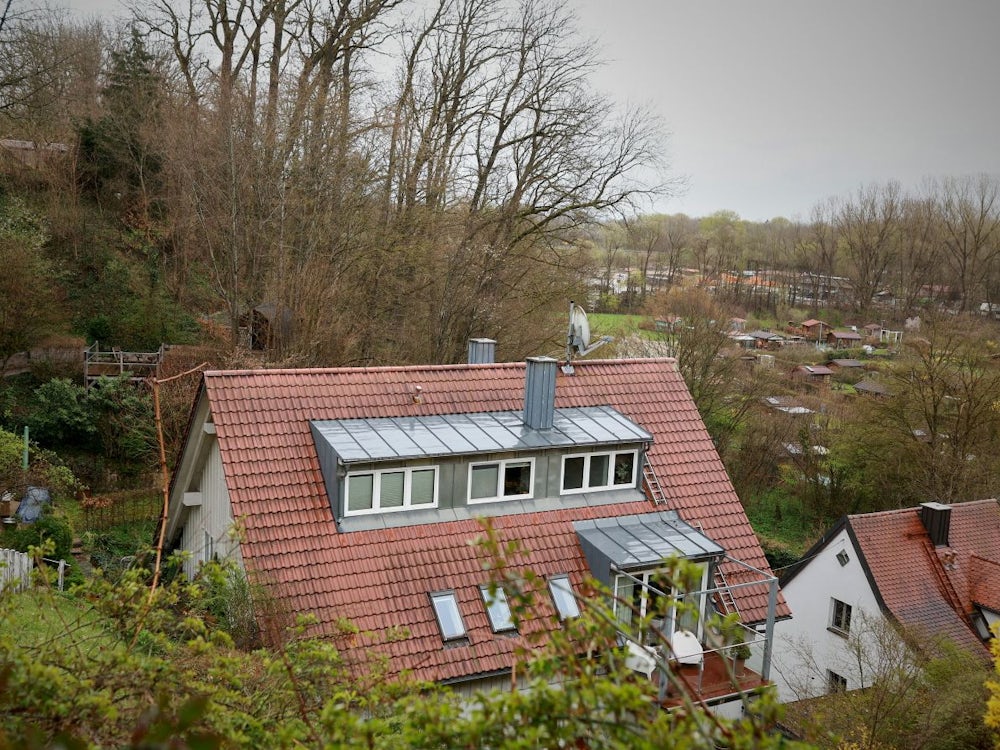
{"x":867,"y":227}
{"x":970,"y":215}
{"x":919,"y":254}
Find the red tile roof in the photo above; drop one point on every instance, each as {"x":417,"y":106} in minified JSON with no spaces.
{"x":927,"y":587}
{"x":382,"y":578}
{"x":984,"y":583}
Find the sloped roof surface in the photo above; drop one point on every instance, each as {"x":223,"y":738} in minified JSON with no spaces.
{"x":923,"y":586}
{"x":382,"y":578}
{"x":984,"y":582}
{"x":815,"y":369}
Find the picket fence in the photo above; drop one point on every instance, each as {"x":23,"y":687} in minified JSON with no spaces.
{"x":15,"y":570}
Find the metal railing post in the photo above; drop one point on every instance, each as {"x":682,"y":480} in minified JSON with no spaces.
{"x":772,"y":606}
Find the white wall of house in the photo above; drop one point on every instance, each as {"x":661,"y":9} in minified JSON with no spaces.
{"x":208,"y":530}
{"x":992,"y":619}
{"x":807,"y":648}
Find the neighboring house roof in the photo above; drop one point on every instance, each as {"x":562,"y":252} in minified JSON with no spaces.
{"x":984,"y":582}
{"x":817,"y":370}
{"x":765,"y":335}
{"x":845,"y":335}
{"x":847,"y":362}
{"x":382,"y":577}
{"x":871,"y":387}
{"x":931,"y":589}
{"x":812,"y":322}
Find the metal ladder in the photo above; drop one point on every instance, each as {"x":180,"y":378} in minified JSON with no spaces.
{"x":653,"y":488}
{"x":725,"y":593}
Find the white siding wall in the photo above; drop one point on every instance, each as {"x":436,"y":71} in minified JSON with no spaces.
{"x":992,"y":619}
{"x":804,"y":647}
{"x":214,"y":516}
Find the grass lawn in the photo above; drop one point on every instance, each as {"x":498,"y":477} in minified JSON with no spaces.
{"x":40,"y":616}
{"x":612,"y":324}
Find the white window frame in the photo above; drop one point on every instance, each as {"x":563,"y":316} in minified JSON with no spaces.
{"x":499,"y":597}
{"x":611,"y":485}
{"x":502,"y":465}
{"x":845,"y":618}
{"x":452,"y":600}
{"x":671,"y":623}
{"x":562,"y":584}
{"x":208,"y":548}
{"x":377,"y":486}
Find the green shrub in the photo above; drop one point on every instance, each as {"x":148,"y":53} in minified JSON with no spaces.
{"x":61,"y":414}
{"x":50,"y":526}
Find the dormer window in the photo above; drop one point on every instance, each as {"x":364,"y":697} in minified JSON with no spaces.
{"x":391,"y":489}
{"x":501,"y":480}
{"x":451,"y":461}
{"x":598,"y":471}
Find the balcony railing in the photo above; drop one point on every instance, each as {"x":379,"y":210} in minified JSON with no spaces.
{"x":702,"y":664}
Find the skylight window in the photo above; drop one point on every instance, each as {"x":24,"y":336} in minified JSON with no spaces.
{"x":449,"y":618}
{"x":501,"y":480}
{"x":563,"y":597}
{"x":497,"y":608}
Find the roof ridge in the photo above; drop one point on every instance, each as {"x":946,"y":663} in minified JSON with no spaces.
{"x":415,"y":368}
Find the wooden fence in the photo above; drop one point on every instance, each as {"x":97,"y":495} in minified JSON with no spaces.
{"x":15,"y":570}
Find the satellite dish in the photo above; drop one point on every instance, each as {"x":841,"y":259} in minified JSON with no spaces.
{"x":579,"y":328}
{"x":578,"y":337}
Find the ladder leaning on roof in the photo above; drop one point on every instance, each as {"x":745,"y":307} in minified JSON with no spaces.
{"x":652,"y":482}
{"x":726,"y":600}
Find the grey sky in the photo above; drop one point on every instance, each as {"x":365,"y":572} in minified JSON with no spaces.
{"x":774,"y":105}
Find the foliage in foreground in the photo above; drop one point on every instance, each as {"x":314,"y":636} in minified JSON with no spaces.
{"x":109,"y":665}
{"x":993,"y":686}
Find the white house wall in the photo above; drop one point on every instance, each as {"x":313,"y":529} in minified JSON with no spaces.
{"x":213,"y":516}
{"x":805,"y":647}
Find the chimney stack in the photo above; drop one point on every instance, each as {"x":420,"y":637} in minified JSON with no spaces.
{"x":482,"y":351}
{"x":539,"y":392}
{"x":936,"y":518}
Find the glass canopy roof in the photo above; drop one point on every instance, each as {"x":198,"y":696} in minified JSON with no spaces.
{"x":640,"y":542}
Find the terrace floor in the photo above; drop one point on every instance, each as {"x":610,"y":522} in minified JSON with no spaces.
{"x":711,"y":681}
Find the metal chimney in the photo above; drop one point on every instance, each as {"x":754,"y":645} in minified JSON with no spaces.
{"x":936,"y":518}
{"x":539,"y":392}
{"x":482,"y":351}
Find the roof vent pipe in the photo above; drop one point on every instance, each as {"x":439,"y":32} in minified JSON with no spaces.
{"x":482,"y":351}
{"x":936,"y":518}
{"x":539,"y":392}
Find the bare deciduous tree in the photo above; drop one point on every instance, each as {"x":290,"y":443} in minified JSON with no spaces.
{"x":867,"y":229}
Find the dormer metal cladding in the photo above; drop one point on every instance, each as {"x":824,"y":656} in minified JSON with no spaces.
{"x":539,"y":392}
{"x":451,"y":443}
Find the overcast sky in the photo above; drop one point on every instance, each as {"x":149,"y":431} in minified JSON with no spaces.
{"x":775,"y":105}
